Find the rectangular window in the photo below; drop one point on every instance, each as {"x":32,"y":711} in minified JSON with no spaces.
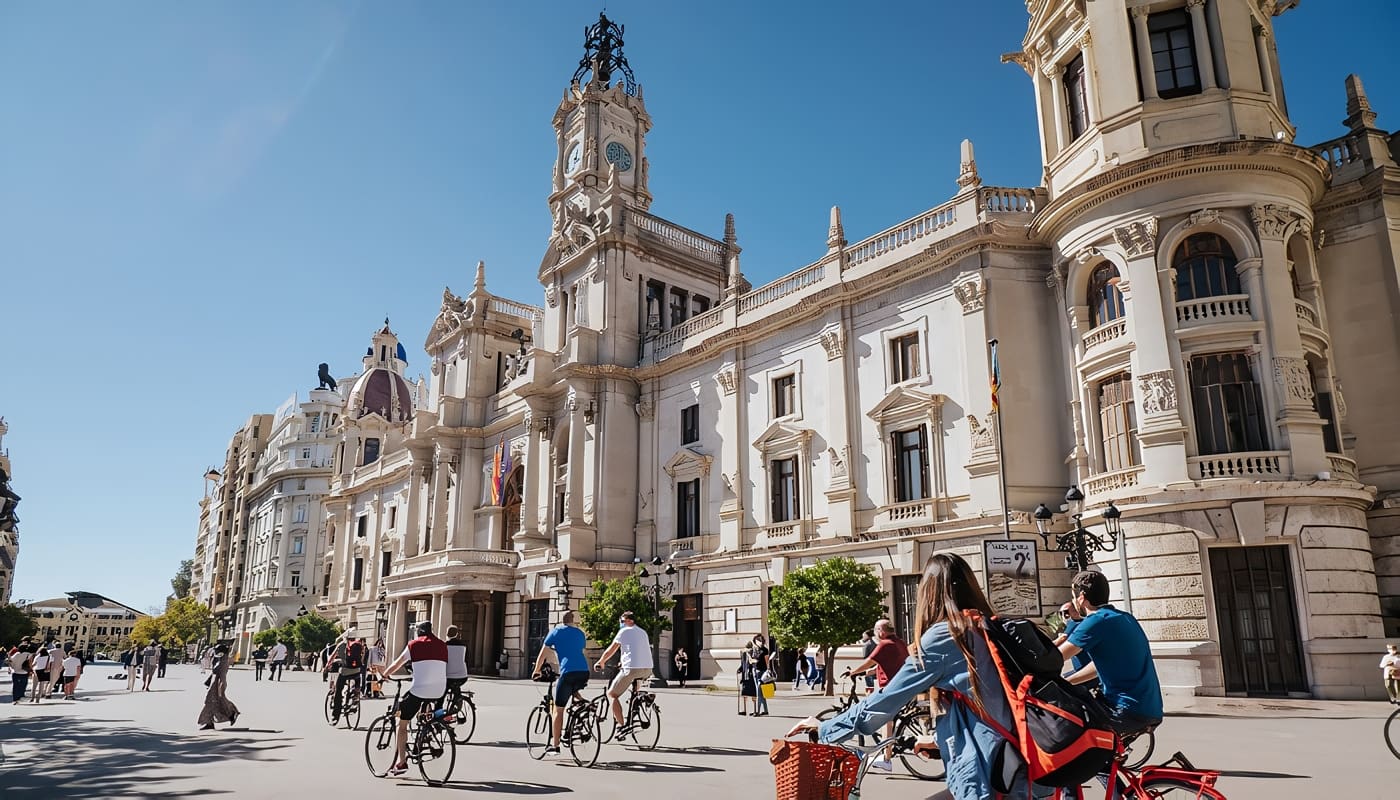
{"x":299,"y":515}
{"x":306,"y":452}
{"x":393,"y":516}
{"x":326,"y":586}
{"x":1229,"y":407}
{"x":386,"y":563}
{"x":1118,"y":423}
{"x":690,"y":424}
{"x":680,"y":302}
{"x":296,"y":579}
{"x":315,"y":420}
{"x":904,"y":358}
{"x":911,"y":465}
{"x":699,"y":304}
{"x":298,"y":544}
{"x":361,"y":525}
{"x":1173,"y":53}
{"x":371,"y":451}
{"x":787,"y":504}
{"x":359,"y":577}
{"x":1077,"y":96}
{"x":784,"y":395}
{"x":688,"y":508}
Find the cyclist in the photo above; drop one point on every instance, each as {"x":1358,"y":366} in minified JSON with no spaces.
{"x":1119,"y":656}
{"x":636,"y":663}
{"x":428,"y":656}
{"x":456,"y":662}
{"x":351,"y":655}
{"x":568,"y":642}
{"x":885,"y":660}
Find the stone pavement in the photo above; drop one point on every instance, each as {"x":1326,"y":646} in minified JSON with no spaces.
{"x":146,"y":745}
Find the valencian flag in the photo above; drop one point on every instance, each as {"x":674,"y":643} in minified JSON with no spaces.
{"x":996,"y":378}
{"x":496,"y":464}
{"x":507,"y":464}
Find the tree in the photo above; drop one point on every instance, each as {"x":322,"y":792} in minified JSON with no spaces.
{"x":828,"y":604}
{"x":182,"y":580}
{"x":152,"y":627}
{"x":606,"y":600}
{"x":268,"y":637}
{"x":15,"y":625}
{"x":187,"y":620}
{"x":313,"y":632}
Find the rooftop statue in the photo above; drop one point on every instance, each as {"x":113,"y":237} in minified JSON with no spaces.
{"x":324,"y":373}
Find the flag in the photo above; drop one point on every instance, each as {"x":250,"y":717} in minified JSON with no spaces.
{"x":996,"y":378}
{"x":496,"y":473}
{"x":507,"y":464}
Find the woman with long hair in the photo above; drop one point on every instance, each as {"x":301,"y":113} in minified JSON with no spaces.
{"x":950,"y":656}
{"x":217,"y":706}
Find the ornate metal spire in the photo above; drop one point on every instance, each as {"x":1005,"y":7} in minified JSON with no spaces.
{"x":602,"y":54}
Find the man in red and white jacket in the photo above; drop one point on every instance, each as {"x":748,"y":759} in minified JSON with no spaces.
{"x":428,"y":655}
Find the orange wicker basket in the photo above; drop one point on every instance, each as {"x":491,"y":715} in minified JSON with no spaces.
{"x":811,"y":771}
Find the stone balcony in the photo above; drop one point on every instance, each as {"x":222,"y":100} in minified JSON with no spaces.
{"x":1310,"y":326}
{"x":789,"y":535}
{"x":1268,"y":464}
{"x":1106,"y":339}
{"x":1343,"y":468}
{"x":692,"y":546}
{"x":1225,"y":308}
{"x":1107,"y":483}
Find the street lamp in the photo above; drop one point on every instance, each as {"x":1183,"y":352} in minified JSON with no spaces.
{"x":656,"y":591}
{"x":562,"y":589}
{"x":1080,"y":543}
{"x":381,"y":615}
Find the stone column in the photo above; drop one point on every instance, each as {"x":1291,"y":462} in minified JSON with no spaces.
{"x":578,"y":460}
{"x":394,"y":639}
{"x":534,"y":470}
{"x":446,"y":459}
{"x":442,"y":610}
{"x":1091,"y":88}
{"x":1204,"y":62}
{"x":1146,"y":71}
{"x":1266,"y":68}
{"x":840,"y":491}
{"x":1057,"y":103}
{"x":733,"y":452}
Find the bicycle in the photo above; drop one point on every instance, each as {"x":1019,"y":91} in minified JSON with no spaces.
{"x":350,"y":697}
{"x":582,"y":732}
{"x":1138,"y":747}
{"x":641,"y":721}
{"x":430,"y":742}
{"x":1392,"y":739}
{"x":461,"y":706}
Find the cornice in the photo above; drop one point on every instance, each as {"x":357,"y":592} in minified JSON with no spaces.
{"x":1370,"y":187}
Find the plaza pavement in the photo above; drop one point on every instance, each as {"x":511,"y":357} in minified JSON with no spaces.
{"x":146,"y":745}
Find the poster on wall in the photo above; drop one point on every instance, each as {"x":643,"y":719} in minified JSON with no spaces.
{"x":1013,"y":577}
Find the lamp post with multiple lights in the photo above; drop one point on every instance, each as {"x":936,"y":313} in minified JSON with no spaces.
{"x":656,"y":591}
{"x":1079,"y":543}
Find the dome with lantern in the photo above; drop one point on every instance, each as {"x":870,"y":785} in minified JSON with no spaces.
{"x":381,"y":389}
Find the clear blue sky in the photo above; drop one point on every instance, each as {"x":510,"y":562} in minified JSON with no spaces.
{"x":199,"y":202}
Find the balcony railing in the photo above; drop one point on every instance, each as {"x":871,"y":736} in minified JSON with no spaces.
{"x":1207,"y":310}
{"x":1112,"y":481}
{"x":1267,"y":464}
{"x":904,"y":234}
{"x":909,"y":512}
{"x":692,"y":546}
{"x":1342,"y":467}
{"x":1105,"y":334}
{"x":697,"y":244}
{"x":1340,"y":152}
{"x":501,"y":305}
{"x":781,"y":288}
{"x":675,"y":337}
{"x":781,"y":534}
{"x":1306,"y":314}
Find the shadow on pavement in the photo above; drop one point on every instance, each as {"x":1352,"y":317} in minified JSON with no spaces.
{"x":497,"y":787}
{"x":713,"y":751}
{"x":117,"y":760}
{"x":651,"y":766}
{"x":1244,"y":773}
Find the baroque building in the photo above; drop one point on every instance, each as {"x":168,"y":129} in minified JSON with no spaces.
{"x":88,"y":621}
{"x":1177,"y":304}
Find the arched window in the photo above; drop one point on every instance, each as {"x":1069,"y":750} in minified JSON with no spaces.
{"x":1205,"y":267}
{"x":1105,"y":301}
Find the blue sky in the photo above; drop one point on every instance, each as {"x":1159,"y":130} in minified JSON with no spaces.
{"x":199,"y":202}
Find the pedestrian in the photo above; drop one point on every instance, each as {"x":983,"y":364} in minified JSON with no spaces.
{"x":800,"y":668}
{"x":758,"y":656}
{"x":132,"y":657}
{"x":206,"y":660}
{"x":259,"y":661}
{"x":39,"y":665}
{"x":748,"y":683}
{"x":72,"y":668}
{"x":19,"y":672}
{"x":867,"y":646}
{"x":54,"y":681}
{"x":164,"y":659}
{"x":217,"y":706}
{"x":150,"y":657}
{"x":682,"y":665}
{"x":819,"y":666}
{"x":278,"y":657}
{"x":1390,"y":671}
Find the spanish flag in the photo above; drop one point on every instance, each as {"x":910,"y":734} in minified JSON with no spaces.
{"x":996,"y":378}
{"x":496,"y":473}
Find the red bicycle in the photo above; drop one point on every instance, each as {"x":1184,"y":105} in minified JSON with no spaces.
{"x":1176,"y":778}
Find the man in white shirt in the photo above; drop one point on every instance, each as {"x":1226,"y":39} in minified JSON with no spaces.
{"x":72,"y":668}
{"x":278,"y":658}
{"x":428,"y":656}
{"x":636,"y":662}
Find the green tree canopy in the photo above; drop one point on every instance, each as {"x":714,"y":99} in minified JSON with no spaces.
{"x":15,"y":625}
{"x":828,"y":604}
{"x":180,"y":584}
{"x":268,"y":637}
{"x":606,"y":600}
{"x":187,"y":620}
{"x":313,"y":631}
{"x":153,"y":627}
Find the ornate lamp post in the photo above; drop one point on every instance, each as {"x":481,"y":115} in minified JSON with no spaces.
{"x":561,"y":588}
{"x":1080,"y":543}
{"x":381,"y":615}
{"x":656,"y":591}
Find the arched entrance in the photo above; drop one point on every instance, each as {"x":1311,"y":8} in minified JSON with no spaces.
{"x":511,"y":496}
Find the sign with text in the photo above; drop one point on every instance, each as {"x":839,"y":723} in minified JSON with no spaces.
{"x":1013,"y":577}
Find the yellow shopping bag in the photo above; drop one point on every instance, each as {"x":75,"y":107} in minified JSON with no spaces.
{"x":768,"y":690}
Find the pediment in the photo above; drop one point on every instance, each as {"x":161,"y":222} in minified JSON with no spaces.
{"x":782,"y":433}
{"x":688,"y":460}
{"x":903,"y":401}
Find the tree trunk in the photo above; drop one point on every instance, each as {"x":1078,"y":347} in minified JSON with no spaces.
{"x":830,"y":677}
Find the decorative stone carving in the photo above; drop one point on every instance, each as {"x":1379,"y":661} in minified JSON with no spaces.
{"x":1319,"y":238}
{"x":1140,"y":12}
{"x":967,"y":167}
{"x":983,"y":436}
{"x":833,"y":341}
{"x":1158,"y":392}
{"x":1137,"y":238}
{"x":1339,"y":402}
{"x":1206,"y":216}
{"x":529,"y":421}
{"x":451,"y":302}
{"x":645,"y":408}
{"x":730,"y":480}
{"x":551,"y":295}
{"x":837,"y":462}
{"x":971,"y":292}
{"x":1020,"y":59}
{"x":727,"y":378}
{"x":1271,"y":220}
{"x":1292,"y":375}
{"x":1086,"y":255}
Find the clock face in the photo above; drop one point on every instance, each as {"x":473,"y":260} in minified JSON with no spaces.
{"x":617,"y":154}
{"x":575,"y":158}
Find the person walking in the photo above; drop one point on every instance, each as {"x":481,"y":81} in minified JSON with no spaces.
{"x":278,"y":657}
{"x":164,"y":659}
{"x":19,"y":672}
{"x":819,"y":666}
{"x":53,"y":682}
{"x":867,"y":646}
{"x":682,"y":661}
{"x":758,"y":658}
{"x":801,"y":669}
{"x":217,"y":706}
{"x":72,"y":668}
{"x":150,"y":657}
{"x":38,"y":665}
{"x":567,"y":641}
{"x":132,"y":657}
{"x":259,"y":662}
{"x":1390,"y":672}
{"x":748,"y":683}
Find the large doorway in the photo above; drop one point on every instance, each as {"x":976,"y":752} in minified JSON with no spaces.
{"x":480,"y":617}
{"x":537,"y":627}
{"x":688,"y":633}
{"x":906,"y":599}
{"x":1259,"y":644}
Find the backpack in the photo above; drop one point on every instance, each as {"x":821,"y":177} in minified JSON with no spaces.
{"x":1061,"y":731}
{"x":354,"y":656}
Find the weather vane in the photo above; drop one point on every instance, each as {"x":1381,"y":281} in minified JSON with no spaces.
{"x":602,"y":53}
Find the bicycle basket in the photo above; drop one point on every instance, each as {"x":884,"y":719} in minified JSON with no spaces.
{"x":810,"y":771}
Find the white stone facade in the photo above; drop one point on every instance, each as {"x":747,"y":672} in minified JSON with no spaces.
{"x":9,"y":540}
{"x":88,"y":621}
{"x":1177,"y":307}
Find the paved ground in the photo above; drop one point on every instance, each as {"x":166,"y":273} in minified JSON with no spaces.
{"x":146,"y":745}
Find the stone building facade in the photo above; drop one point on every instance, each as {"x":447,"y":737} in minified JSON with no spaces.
{"x":92,"y":623}
{"x":9,"y":539}
{"x":1178,"y":305}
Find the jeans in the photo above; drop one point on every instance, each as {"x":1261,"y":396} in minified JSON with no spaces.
{"x":760,"y":701}
{"x":258,"y":669}
{"x":20,"y":683}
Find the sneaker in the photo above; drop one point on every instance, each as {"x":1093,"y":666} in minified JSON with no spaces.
{"x":882,"y":764}
{"x":551,"y":751}
{"x":397,"y":769}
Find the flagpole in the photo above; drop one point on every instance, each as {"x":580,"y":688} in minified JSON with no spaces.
{"x":1001,"y":451}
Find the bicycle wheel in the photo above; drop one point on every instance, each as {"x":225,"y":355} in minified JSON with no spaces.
{"x":539,"y":732}
{"x":436,"y":753}
{"x":466,"y":721}
{"x":330,"y":708}
{"x":1177,"y":789}
{"x":646,"y":724}
{"x":350,"y":711}
{"x":1139,"y":750}
{"x":927,"y":769}
{"x":379,"y":745}
{"x":585,"y":735}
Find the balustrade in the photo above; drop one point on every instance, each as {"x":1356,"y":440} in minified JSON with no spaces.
{"x":1205,"y":310}
{"x":782,"y":287}
{"x":664,"y":343}
{"x":500,"y":305}
{"x":695,"y":243}
{"x":1340,"y":152}
{"x":1342,"y":467}
{"x":1110,"y":481}
{"x":921,"y":510}
{"x":1305,"y":312}
{"x":904,"y":234}
{"x":1006,"y":200}
{"x":692,"y":546}
{"x":1268,"y":464}
{"x":1105,"y":333}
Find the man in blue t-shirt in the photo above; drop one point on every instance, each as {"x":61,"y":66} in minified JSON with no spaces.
{"x":568,"y":642}
{"x":1120,"y":656}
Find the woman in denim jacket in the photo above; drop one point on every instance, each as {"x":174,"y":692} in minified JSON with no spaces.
{"x":948,"y":657}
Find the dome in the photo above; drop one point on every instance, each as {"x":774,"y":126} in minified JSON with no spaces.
{"x":383,"y":392}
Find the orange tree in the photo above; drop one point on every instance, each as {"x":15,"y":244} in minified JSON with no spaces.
{"x":828,"y":604}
